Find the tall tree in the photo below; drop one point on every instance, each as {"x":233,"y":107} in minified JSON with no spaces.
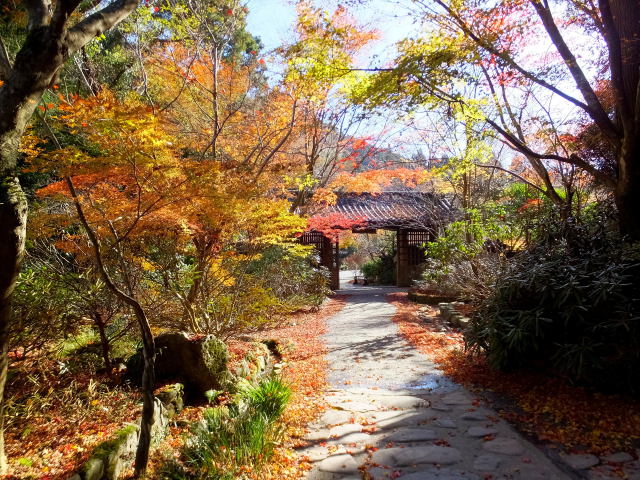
{"x":56,"y":30}
{"x":479,"y":57}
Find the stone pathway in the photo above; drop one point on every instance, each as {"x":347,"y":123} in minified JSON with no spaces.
{"x":393,"y":411}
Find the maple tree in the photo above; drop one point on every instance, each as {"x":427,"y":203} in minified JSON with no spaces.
{"x":474,"y":62}
{"x":54,"y":32}
{"x":130,"y":184}
{"x":318,"y":70}
{"x":118,"y":201}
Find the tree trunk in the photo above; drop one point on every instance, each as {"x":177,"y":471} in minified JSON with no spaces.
{"x":628,"y":189}
{"x":13,"y":221}
{"x":622,"y":22}
{"x":148,"y":343}
{"x":148,"y":384}
{"x":104,"y":340}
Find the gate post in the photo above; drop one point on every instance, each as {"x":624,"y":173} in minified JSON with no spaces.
{"x":402,"y":259}
{"x":329,"y":258}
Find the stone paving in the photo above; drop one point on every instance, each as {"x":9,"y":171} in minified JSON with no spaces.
{"x":394,"y":412}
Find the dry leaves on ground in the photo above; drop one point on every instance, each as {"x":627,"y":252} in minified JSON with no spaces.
{"x":547,"y":407}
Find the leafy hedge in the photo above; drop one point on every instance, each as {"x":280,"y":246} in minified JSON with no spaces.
{"x":572,"y":306}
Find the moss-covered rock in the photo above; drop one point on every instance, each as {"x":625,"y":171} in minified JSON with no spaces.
{"x":93,"y":469}
{"x":172,"y":398}
{"x":200,"y":364}
{"x":112,"y":457}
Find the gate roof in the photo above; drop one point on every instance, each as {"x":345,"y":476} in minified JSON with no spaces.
{"x":411,"y":210}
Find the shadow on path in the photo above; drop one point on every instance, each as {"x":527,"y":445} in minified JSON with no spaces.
{"x":394,"y":415}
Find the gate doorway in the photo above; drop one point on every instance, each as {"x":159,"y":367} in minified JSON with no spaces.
{"x":416,"y":217}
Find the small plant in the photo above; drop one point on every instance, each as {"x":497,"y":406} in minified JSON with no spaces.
{"x":235,"y":438}
{"x":269,"y":397}
{"x":212,"y":395}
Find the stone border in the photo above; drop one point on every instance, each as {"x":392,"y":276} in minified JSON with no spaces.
{"x":112,"y":457}
{"x":427,"y":298}
{"x":450,"y":314}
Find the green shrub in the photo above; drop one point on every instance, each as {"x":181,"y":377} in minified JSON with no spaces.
{"x":269,"y":397}
{"x":242,"y":434}
{"x":380,"y":270}
{"x":572,"y":306}
{"x":44,"y":312}
{"x":291,"y":277}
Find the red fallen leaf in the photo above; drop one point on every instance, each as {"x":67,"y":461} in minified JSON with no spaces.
{"x":323,"y":444}
{"x":442,"y":443}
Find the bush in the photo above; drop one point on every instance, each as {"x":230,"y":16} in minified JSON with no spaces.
{"x":235,"y":438}
{"x":237,"y":294}
{"x":570,"y":306}
{"x":44,"y":311}
{"x":290,"y":277}
{"x":381,"y":270}
{"x":466,"y":279}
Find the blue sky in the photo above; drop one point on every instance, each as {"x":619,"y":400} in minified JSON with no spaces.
{"x":271,"y":20}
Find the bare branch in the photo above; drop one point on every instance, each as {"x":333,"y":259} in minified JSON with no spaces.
{"x":96,"y":24}
{"x":596,"y":111}
{"x":505,"y":57}
{"x":573,"y":159}
{"x":519,"y":177}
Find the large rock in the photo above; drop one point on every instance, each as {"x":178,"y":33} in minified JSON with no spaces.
{"x":200,"y":364}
